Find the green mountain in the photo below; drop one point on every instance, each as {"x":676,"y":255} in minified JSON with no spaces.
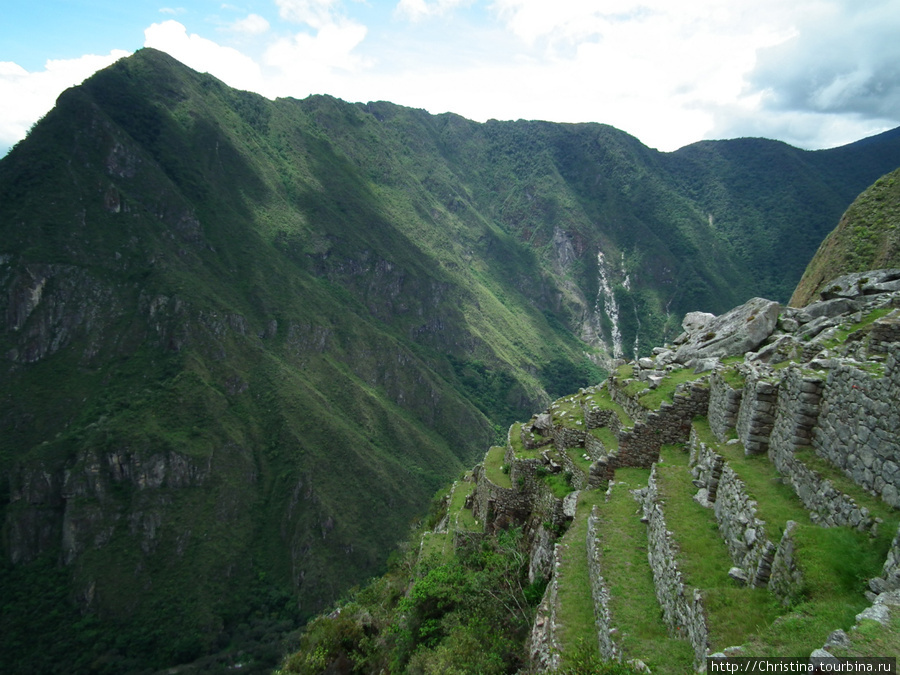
{"x":244,"y":341}
{"x":868,"y":237}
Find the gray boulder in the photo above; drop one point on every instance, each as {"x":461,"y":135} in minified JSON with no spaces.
{"x":694,"y":321}
{"x":734,"y":333}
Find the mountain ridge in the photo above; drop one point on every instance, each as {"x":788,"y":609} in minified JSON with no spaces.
{"x":245,"y":341}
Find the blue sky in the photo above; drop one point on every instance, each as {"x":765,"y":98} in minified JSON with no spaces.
{"x":814,"y":73}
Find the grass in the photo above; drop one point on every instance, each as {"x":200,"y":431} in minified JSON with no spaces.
{"x":666,"y":390}
{"x":494,"y":467}
{"x":460,"y":516}
{"x":607,"y":437}
{"x":518,"y":448}
{"x":842,"y":334}
{"x":835,"y":562}
{"x":733,"y":613}
{"x":604,"y":401}
{"x":633,"y":607}
{"x":842,"y":482}
{"x":873,"y":639}
{"x":567,"y":410}
{"x":576,"y":605}
{"x":776,"y":502}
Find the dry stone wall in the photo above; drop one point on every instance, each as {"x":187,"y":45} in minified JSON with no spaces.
{"x":859,"y":427}
{"x":742,"y":531}
{"x":724,"y":406}
{"x":599,"y":592}
{"x":757,"y":414}
{"x":682,"y":608}
{"x":786,"y":580}
{"x":640,"y":445}
{"x":544,"y":645}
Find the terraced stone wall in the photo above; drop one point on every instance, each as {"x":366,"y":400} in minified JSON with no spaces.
{"x":724,"y":405}
{"x":756,"y":416}
{"x":670,"y":424}
{"x":599,"y":591}
{"x":859,"y":427}
{"x":742,"y":531}
{"x":786,"y":580}
{"x":682,"y":609}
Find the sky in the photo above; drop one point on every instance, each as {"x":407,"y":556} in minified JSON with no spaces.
{"x":812,"y":73}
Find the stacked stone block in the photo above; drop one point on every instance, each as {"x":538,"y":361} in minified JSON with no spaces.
{"x":797,"y":410}
{"x":670,"y":424}
{"x":757,"y":414}
{"x":599,"y":592}
{"x":796,"y":422}
{"x":859,"y":427}
{"x":724,"y":406}
{"x":742,"y":531}
{"x":682,"y":608}
{"x":786,"y":580}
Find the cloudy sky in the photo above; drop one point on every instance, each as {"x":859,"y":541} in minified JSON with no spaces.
{"x":813,"y":73}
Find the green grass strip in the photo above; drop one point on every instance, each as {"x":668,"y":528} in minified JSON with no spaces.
{"x":576,"y":606}
{"x":607,"y":437}
{"x":635,"y":612}
{"x":776,"y":502}
{"x":494,"y":467}
{"x":460,"y":517}
{"x":604,"y":401}
{"x":666,"y":389}
{"x":733,"y":613}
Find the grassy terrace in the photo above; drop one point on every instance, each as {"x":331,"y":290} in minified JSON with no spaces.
{"x":576,"y":606}
{"x":567,"y":411}
{"x":776,"y":502}
{"x":518,"y":448}
{"x":496,"y":471}
{"x":843,"y":333}
{"x":733,"y":613}
{"x":607,"y":437}
{"x":461,"y":518}
{"x":633,"y":606}
{"x":653,"y":399}
{"x":604,"y":401}
{"x":835,"y":562}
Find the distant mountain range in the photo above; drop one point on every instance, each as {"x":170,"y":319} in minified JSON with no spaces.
{"x":244,"y":341}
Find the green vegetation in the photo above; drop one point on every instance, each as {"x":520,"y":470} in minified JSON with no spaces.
{"x":466,"y":613}
{"x":246,"y":340}
{"x":867,"y":238}
{"x":576,"y":606}
{"x":733,"y":613}
{"x":494,"y":467}
{"x":633,"y":606}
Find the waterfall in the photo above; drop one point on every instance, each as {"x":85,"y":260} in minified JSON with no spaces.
{"x":606,"y":302}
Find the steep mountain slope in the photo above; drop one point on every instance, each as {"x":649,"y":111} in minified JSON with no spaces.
{"x":245,"y":340}
{"x":868,"y":237}
{"x":766,"y":524}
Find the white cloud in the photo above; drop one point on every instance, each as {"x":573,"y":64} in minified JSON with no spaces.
{"x":29,"y":95}
{"x":416,"y":10}
{"x":226,"y":63}
{"x":252,"y":24}
{"x":316,"y":13}
{"x":844,"y":58}
{"x":307,"y":63}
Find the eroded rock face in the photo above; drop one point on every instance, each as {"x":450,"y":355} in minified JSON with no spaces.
{"x":741,"y":330}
